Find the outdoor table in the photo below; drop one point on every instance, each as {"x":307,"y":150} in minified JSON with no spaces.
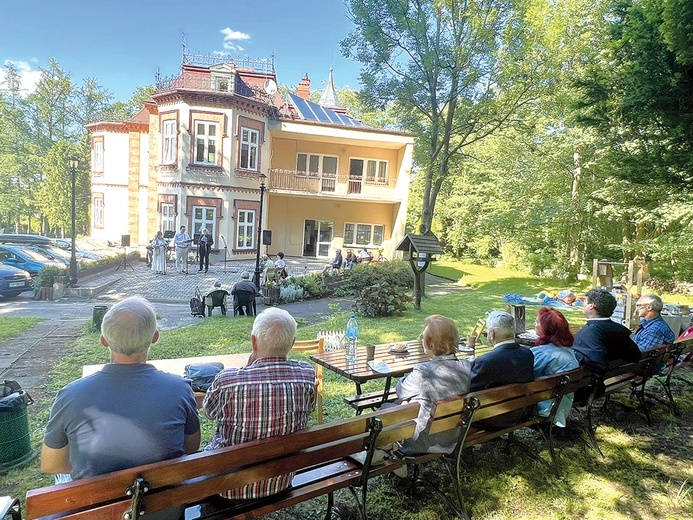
{"x":360,"y":372}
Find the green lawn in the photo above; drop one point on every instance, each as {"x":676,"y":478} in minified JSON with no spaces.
{"x":646,"y":472}
{"x":11,"y":327}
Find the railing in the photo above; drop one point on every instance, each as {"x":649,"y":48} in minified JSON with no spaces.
{"x":329,"y":184}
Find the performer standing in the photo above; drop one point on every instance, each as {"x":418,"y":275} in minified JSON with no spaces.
{"x":182,"y":241}
{"x":158,"y":254}
{"x":204,"y":247}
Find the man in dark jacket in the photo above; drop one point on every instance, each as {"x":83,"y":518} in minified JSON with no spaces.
{"x":602,"y":340}
{"x":507,"y":363}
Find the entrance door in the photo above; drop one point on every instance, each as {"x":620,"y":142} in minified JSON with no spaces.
{"x":317,"y":237}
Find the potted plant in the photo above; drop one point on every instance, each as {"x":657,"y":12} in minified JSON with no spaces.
{"x":45,"y":280}
{"x":270,"y":293}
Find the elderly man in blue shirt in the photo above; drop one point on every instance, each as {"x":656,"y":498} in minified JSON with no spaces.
{"x":653,"y":330}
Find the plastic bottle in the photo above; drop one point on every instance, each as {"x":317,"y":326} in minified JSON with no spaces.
{"x":352,"y":335}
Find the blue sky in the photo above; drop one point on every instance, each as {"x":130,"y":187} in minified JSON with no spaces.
{"x":122,"y":43}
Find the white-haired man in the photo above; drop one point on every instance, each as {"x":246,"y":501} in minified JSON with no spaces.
{"x":127,"y":414}
{"x":245,"y":292}
{"x":653,"y":330}
{"x":508,"y":362}
{"x":270,"y":397}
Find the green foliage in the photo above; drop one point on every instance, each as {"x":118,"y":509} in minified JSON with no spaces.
{"x":290,"y":293}
{"x":11,"y":327}
{"x":46,"y":276}
{"x":308,"y":286}
{"x":381,"y":299}
{"x":363,"y":276}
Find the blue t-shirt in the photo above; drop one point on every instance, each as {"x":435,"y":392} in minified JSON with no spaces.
{"x":121,"y":417}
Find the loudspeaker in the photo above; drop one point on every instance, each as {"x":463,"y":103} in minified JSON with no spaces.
{"x":266,"y":237}
{"x":124,"y":240}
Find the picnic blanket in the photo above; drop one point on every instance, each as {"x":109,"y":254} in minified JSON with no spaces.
{"x":541,"y":299}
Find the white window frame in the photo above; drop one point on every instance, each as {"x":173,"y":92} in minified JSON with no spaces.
{"x":354,"y":238}
{"x":168,"y":218}
{"x":320,"y":158}
{"x":207,"y":138}
{"x":204,"y":221}
{"x":245,"y":226}
{"x":170,"y":141}
{"x":375,"y":171}
{"x":250,"y":151}
{"x":97,"y":160}
{"x":98,"y":213}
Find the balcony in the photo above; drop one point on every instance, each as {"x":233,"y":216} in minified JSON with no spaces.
{"x":335,"y":185}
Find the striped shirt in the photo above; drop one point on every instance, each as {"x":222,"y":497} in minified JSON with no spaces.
{"x":272,"y":397}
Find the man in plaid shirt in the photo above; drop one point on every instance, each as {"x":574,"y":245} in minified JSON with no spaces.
{"x":653,"y":330}
{"x":271,"y":396}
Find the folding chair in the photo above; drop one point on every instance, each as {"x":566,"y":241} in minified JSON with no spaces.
{"x":314,"y":345}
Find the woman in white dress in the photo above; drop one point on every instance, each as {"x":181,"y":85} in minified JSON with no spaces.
{"x":159,"y":254}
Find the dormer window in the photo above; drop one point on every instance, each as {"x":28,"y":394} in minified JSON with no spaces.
{"x":222,"y":82}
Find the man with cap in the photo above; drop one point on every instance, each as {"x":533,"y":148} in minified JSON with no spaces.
{"x":249,"y":291}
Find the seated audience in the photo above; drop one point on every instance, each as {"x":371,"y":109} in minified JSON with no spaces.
{"x":216,"y":298}
{"x":508,"y":362}
{"x":245,"y":285}
{"x":442,"y":377}
{"x":267,"y":264}
{"x":125,"y":415}
{"x":336,"y":263}
{"x":601,"y":341}
{"x":553,"y":355}
{"x":350,"y":260}
{"x":364,"y":256}
{"x":270,"y":397}
{"x":280,"y":264}
{"x":653,"y":330}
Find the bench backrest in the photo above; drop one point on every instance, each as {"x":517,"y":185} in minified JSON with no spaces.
{"x":313,"y":346}
{"x":466,"y":410}
{"x":194,"y":477}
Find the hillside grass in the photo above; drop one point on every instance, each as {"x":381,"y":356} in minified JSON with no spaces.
{"x":646,"y":472}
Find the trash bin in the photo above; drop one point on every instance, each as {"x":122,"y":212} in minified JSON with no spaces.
{"x":15,"y":441}
{"x":97,"y":317}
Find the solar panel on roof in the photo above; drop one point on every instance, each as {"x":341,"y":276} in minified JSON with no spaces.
{"x":310,"y":111}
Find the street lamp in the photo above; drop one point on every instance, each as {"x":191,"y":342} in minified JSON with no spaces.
{"x":73,"y":258}
{"x":256,"y":279}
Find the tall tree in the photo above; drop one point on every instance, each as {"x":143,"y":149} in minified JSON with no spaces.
{"x":457,"y":72}
{"x":638,"y":92}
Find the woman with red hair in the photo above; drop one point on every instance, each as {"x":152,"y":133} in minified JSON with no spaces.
{"x":553,"y":355}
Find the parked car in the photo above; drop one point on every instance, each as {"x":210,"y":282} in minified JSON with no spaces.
{"x":20,"y":238}
{"x":51,"y":252}
{"x":13,"y":281}
{"x":81,"y":252}
{"x":24,"y":258}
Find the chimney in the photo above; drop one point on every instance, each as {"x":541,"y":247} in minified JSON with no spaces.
{"x":303,"y":88}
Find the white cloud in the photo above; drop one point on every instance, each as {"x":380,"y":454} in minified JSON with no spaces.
{"x":231,"y":38}
{"x":29,"y":76}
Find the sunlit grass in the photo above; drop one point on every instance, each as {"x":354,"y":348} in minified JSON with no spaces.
{"x":11,"y":327}
{"x":646,"y":472}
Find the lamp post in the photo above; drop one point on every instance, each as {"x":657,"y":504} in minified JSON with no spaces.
{"x":256,"y":279}
{"x":73,"y":258}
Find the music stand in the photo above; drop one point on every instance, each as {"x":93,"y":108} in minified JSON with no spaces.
{"x":168,"y":236}
{"x":226,"y":249}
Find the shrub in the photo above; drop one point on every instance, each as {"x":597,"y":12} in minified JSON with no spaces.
{"x":290,"y":293}
{"x":397,"y":274}
{"x":46,"y":276}
{"x":381,"y":299}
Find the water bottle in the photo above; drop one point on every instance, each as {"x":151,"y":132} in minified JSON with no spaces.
{"x":352,"y":335}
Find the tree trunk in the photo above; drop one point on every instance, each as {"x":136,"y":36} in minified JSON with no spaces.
{"x":575,"y":222}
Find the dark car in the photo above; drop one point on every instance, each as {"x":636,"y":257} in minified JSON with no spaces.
{"x":13,"y":281}
{"x":22,"y":258}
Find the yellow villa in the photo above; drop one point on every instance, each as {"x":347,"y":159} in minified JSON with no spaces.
{"x":217,"y":145}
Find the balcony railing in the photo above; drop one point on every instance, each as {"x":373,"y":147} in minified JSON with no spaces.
{"x":329,"y":184}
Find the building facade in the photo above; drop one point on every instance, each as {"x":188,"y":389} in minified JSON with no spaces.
{"x":197,"y":153}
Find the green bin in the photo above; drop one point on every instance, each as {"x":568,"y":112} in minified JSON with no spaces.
{"x":15,"y":440}
{"x":97,"y":317}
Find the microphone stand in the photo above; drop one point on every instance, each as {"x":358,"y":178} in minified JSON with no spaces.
{"x":226,"y":249}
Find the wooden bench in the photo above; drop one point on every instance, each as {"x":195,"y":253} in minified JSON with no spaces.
{"x":467,"y":413}
{"x":679,"y":354}
{"x":321,"y":458}
{"x":370,"y":400}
